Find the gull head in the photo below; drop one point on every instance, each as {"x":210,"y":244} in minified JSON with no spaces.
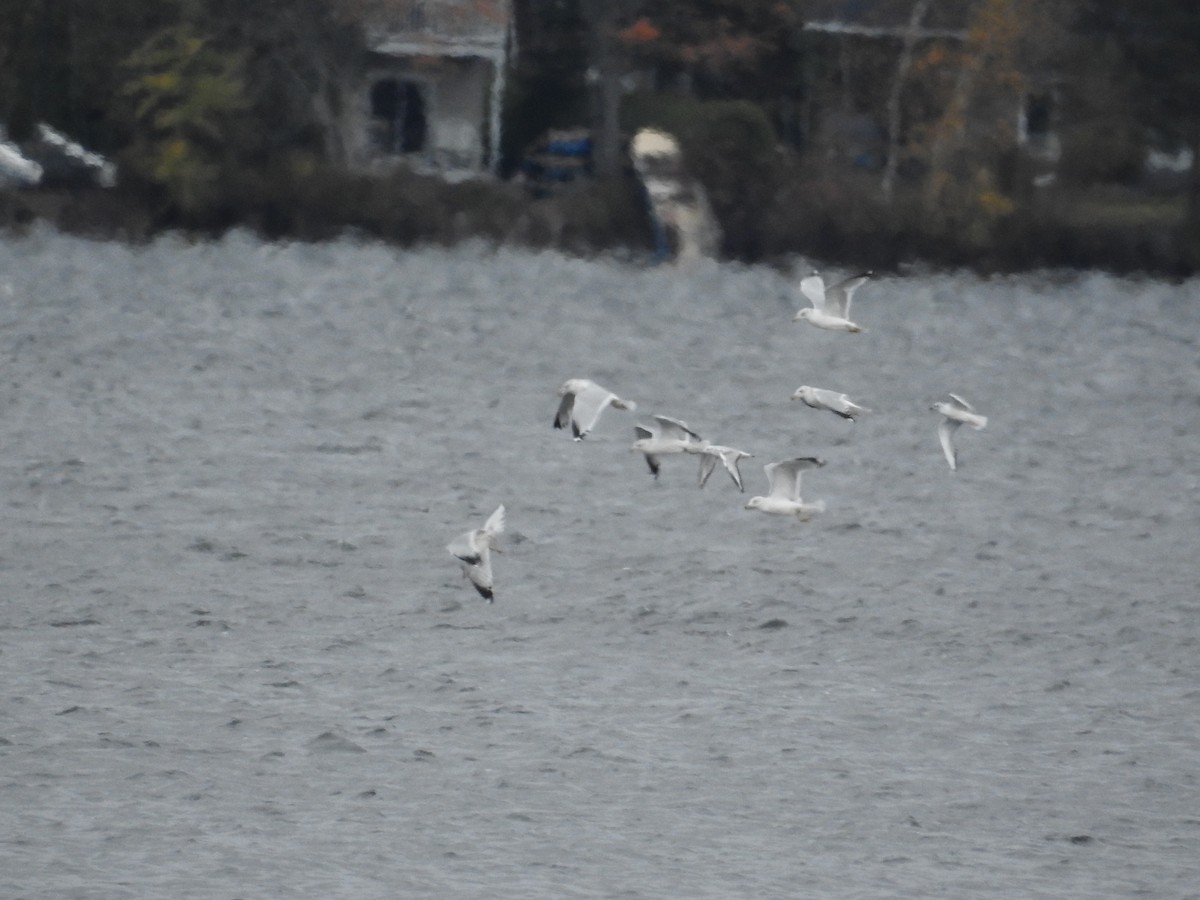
{"x":754,"y":503}
{"x":799,"y":393}
{"x":805,"y":313}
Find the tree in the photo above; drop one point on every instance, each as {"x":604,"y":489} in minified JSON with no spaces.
{"x":299,"y":57}
{"x":607,"y":64}
{"x":916,"y":17}
{"x":980,"y":83}
{"x":186,"y":97}
{"x":721,"y":49}
{"x":59,"y":63}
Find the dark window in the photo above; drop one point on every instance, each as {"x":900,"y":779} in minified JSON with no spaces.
{"x":1038,"y":110}
{"x":398,"y":114}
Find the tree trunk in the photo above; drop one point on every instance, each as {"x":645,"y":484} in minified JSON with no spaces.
{"x":948,"y":134}
{"x":605,"y":72}
{"x":893,"y":104}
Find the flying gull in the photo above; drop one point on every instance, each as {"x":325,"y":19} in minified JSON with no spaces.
{"x":473,"y":552}
{"x":665,"y":436}
{"x":820,"y":398}
{"x":729,"y":457}
{"x":784,"y":497}
{"x":581,"y":405}
{"x":830,"y":306}
{"x":957,"y":412}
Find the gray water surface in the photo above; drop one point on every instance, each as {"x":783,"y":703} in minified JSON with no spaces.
{"x":237,"y":660}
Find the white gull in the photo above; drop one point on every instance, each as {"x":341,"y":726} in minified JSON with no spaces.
{"x":665,"y":436}
{"x":473,"y":552}
{"x":581,"y":404}
{"x":830,"y":306}
{"x":729,"y":457}
{"x":957,"y":412}
{"x":820,"y":398}
{"x":784,"y":497}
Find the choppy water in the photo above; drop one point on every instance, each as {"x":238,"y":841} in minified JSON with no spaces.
{"x":237,"y":660}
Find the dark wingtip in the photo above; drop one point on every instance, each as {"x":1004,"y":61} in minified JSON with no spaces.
{"x":579,"y":435}
{"x":486,"y":593}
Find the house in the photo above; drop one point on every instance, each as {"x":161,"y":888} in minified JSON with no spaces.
{"x":432,"y":87}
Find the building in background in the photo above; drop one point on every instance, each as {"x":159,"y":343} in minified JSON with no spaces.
{"x":432,"y":87}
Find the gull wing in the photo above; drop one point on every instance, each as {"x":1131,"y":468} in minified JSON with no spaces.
{"x":785,"y":476}
{"x":466,"y":548}
{"x":495,"y":522}
{"x":563,"y":416}
{"x":589,"y":403}
{"x":946,"y":429}
{"x":674,"y":428}
{"x":642,"y":432}
{"x":813,"y":287}
{"x":838,"y":297}
{"x":730,"y":459}
{"x":652,"y":462}
{"x":481,"y":576}
{"x":839,"y":403}
{"x":827,"y":398}
{"x":961,"y":403}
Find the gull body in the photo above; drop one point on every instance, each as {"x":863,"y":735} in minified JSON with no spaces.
{"x":784,"y":498}
{"x":830,"y":306}
{"x":956,"y":413}
{"x":665,"y":436}
{"x":473,"y":550}
{"x":582,"y":401}
{"x":820,"y":398}
{"x":729,"y":457}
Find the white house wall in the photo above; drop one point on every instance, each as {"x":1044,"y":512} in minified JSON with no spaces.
{"x":461,"y":113}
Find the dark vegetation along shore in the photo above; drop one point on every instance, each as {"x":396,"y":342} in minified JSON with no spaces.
{"x":822,"y":216}
{"x":997,"y":135}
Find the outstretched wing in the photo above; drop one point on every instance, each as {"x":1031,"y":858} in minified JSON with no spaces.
{"x":782,"y":481}
{"x":961,"y":403}
{"x":730,"y":460}
{"x":480,"y":575}
{"x":946,"y":429}
{"x":652,"y":462}
{"x":785,"y":476}
{"x":563,"y":416}
{"x":708,"y":462}
{"x":813,"y":287}
{"x":674,"y":428}
{"x":838,"y":297}
{"x":495,"y":522}
{"x":589,"y":403}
